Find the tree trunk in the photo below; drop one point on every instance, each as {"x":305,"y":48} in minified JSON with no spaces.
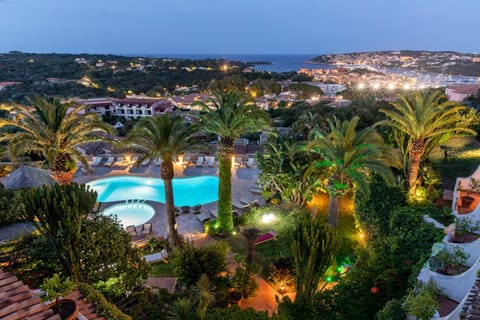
{"x":415,"y":161}
{"x":333,"y":211}
{"x":166,"y":173}
{"x":225,"y":218}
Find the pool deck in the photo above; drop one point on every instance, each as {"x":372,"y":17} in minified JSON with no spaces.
{"x":188,"y":225}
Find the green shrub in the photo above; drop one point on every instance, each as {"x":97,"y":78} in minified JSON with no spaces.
{"x":56,"y":286}
{"x":393,"y":310}
{"x":235,"y":313}
{"x":422,"y":302}
{"x":11,"y":206}
{"x":103,"y":307}
{"x":190,"y":262}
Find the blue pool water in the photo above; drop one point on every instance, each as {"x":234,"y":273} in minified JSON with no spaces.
{"x":186,"y":191}
{"x":131,"y":214}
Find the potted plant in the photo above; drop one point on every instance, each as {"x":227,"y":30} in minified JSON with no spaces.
{"x":474,"y":186}
{"x":55,"y":287}
{"x":449,"y":263}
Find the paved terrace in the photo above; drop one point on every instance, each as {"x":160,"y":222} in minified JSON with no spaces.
{"x":188,"y":225}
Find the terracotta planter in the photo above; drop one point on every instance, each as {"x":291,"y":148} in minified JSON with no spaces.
{"x":68,"y":309}
{"x":467,"y":201}
{"x":234,"y":297}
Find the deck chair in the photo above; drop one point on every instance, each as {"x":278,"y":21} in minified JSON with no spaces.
{"x":265,"y":237}
{"x":211,"y":162}
{"x":202,"y":217}
{"x":147,"y":229}
{"x":131,"y":230}
{"x":119,"y":162}
{"x":157,"y":162}
{"x":157,"y":257}
{"x":145,"y":162}
{"x":96,"y":161}
{"x":199,"y":162}
{"x":109,"y":161}
{"x":250,"y":163}
{"x":134,"y":160}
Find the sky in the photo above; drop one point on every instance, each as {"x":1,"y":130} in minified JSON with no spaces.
{"x":238,"y":26}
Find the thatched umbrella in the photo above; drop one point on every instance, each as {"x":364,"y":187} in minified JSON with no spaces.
{"x":27,"y":177}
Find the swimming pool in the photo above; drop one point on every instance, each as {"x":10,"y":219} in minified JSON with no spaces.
{"x":186,"y":191}
{"x":133,"y":213}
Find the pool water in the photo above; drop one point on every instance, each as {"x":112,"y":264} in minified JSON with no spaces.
{"x":131,"y":214}
{"x":186,"y":191}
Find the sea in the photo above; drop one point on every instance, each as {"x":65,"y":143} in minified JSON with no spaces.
{"x":278,"y":62}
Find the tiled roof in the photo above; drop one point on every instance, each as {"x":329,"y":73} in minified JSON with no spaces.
{"x":17,"y":301}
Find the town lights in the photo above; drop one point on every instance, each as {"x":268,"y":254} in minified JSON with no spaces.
{"x":406,"y":86}
{"x":361,"y":86}
{"x":391,"y":86}
{"x":376,"y":86}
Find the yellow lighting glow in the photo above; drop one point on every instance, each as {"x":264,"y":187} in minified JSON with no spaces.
{"x":268,"y":218}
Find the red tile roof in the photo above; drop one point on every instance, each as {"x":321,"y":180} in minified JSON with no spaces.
{"x":17,"y":301}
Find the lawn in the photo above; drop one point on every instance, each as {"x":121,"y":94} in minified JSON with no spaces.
{"x":463,"y":159}
{"x":161,"y":269}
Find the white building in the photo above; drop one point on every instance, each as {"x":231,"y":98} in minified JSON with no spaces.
{"x":459,"y":93}
{"x":129,"y":108}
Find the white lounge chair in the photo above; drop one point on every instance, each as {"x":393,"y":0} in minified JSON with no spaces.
{"x":145,"y":162}
{"x":238,"y":162}
{"x":211,"y":162}
{"x":250,"y":162}
{"x":202,"y":217}
{"x":109,"y":161}
{"x":119,"y":162}
{"x":199,"y":162}
{"x":156,"y":257}
{"x":157,"y":162}
{"x":96,"y":161}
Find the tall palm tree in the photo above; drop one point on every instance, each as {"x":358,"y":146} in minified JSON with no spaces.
{"x":229,"y":114}
{"x":347,"y":157}
{"x":53,"y":130}
{"x":163,"y":137}
{"x":422,"y":120}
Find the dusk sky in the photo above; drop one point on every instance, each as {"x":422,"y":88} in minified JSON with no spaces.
{"x":238,"y":26}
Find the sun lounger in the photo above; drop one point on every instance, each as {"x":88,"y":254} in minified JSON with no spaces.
{"x":157,"y":162}
{"x":96,"y":161}
{"x":131,"y":230}
{"x":202,"y":217}
{"x":109,"y":161}
{"x":145,"y":162}
{"x":211,"y":162}
{"x":134,"y":160}
{"x":238,"y":162}
{"x":119,"y":162}
{"x":156,"y":257}
{"x":196,"y":208}
{"x":214,"y":212}
{"x":250,"y":163}
{"x":265,"y":237}
{"x":147,"y":229}
{"x":186,"y":209}
{"x":199,"y":162}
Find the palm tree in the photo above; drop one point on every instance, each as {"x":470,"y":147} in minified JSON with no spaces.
{"x":346,"y":159}
{"x":423,"y":120}
{"x":53,"y":130}
{"x":163,"y":137}
{"x":229,"y":114}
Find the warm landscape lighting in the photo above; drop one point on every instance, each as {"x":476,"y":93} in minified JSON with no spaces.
{"x":268,"y":218}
